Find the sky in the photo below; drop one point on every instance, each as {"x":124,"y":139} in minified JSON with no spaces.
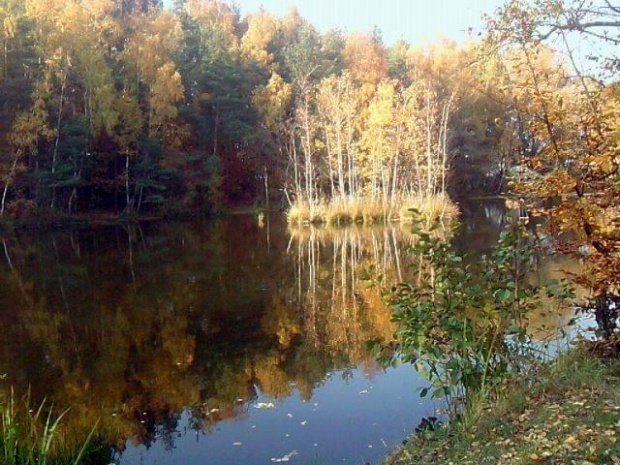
{"x":416,"y":21}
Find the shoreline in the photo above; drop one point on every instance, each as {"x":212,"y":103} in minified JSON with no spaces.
{"x":98,"y":220}
{"x":565,"y":411}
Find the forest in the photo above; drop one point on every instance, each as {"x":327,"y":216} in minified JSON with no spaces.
{"x":113,"y":111}
{"x":125,"y":107}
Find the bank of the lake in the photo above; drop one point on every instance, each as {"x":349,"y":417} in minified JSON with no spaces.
{"x":52,"y":222}
{"x":563,"y":412}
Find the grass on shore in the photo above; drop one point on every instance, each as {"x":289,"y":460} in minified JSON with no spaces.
{"x":347,"y":210}
{"x":32,"y":437}
{"x":566,"y":412}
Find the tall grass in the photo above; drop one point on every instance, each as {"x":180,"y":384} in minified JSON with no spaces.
{"x":29,"y":437}
{"x":352,"y":209}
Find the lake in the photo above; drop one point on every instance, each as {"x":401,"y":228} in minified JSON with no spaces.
{"x":232,"y":341}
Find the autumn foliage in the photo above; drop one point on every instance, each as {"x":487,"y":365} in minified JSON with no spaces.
{"x":127,"y":107}
{"x":565,"y":115}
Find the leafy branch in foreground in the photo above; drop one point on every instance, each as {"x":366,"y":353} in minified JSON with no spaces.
{"x":569,"y":167}
{"x":464,"y":325}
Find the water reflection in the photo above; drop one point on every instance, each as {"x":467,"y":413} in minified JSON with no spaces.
{"x":338,"y":279}
{"x":167,"y":331}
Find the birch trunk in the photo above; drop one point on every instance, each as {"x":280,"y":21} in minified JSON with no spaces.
{"x":7,"y":182}
{"x":57,"y":141}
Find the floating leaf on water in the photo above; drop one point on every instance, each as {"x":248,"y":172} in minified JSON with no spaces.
{"x":285,"y":458}
{"x":265,"y":405}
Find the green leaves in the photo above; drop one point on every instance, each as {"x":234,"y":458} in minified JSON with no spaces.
{"x":503,"y":295}
{"x":455,"y":321}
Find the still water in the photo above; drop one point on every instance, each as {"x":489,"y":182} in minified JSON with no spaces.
{"x":226,"y":342}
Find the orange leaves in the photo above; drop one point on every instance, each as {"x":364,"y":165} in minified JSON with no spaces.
{"x":256,"y":42}
{"x":603,"y":164}
{"x":7,"y":23}
{"x":570,"y":128}
{"x":166,"y":92}
{"x":365,"y":57}
{"x":557,"y":183}
{"x":215,"y":15}
{"x":28,"y":128}
{"x":155,"y":40}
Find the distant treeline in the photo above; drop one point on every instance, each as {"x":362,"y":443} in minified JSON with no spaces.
{"x":127,"y":107}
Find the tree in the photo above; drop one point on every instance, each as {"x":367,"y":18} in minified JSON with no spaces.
{"x":25,"y":134}
{"x":366,"y":58}
{"x":572,"y":121}
{"x":258,"y":41}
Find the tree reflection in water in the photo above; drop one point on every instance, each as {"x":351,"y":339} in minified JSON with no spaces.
{"x":132,"y":326}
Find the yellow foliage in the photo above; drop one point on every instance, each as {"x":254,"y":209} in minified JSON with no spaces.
{"x":255,"y":44}
{"x":350,"y":209}
{"x":272,"y":101}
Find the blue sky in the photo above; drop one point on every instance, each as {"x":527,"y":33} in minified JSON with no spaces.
{"x":416,"y":21}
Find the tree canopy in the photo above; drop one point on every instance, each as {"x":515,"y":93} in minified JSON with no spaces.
{"x":127,"y":107}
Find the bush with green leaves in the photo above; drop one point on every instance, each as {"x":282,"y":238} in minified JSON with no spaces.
{"x":464,"y":323}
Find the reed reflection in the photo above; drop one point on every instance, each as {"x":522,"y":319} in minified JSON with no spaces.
{"x":135,"y":326}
